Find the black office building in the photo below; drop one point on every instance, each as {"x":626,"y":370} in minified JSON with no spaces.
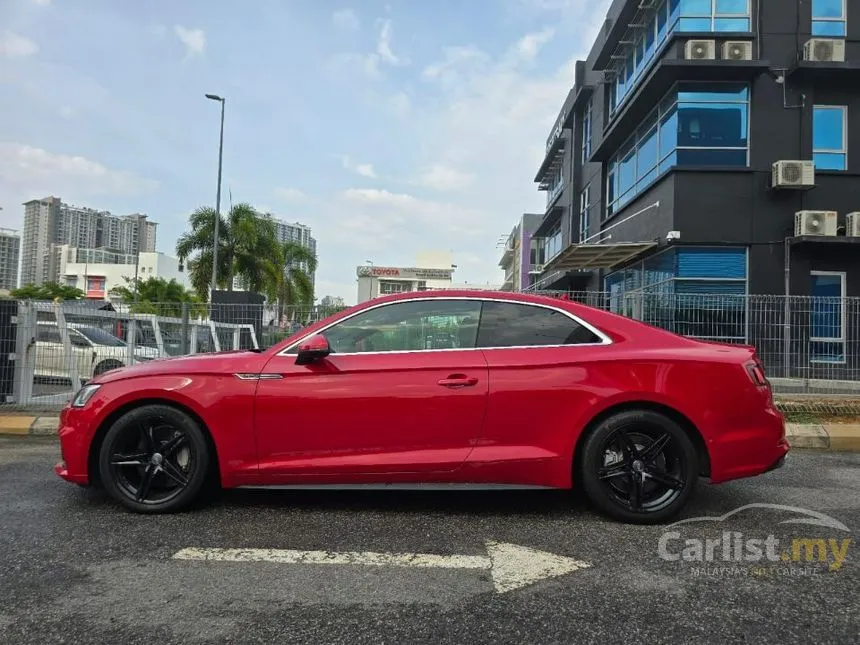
{"x":706,"y":148}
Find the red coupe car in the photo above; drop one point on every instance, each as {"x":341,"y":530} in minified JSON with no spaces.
{"x":442,"y":387}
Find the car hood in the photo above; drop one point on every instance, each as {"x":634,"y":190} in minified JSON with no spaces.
{"x":214,"y":363}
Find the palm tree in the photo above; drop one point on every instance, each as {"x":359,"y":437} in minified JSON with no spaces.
{"x":246,"y":246}
{"x":155,"y":296}
{"x":291,"y":284}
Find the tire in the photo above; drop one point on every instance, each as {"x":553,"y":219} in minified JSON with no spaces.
{"x":106,"y":366}
{"x":154,"y":459}
{"x":638,"y":467}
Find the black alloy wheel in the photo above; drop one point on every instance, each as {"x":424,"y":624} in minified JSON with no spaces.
{"x":154,"y":459}
{"x":639,"y":466}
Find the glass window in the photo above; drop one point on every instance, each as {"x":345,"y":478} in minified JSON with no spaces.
{"x":586,"y":132}
{"x":408,"y":326}
{"x":829,"y":137}
{"x":46,"y":334}
{"x":584,"y":213}
{"x":552,"y":243}
{"x":506,"y":324}
{"x":828,"y":18}
{"x":699,"y":124}
{"x":100,"y":337}
{"x":827,"y":318}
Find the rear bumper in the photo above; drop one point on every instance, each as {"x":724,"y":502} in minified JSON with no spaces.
{"x":758,"y":446}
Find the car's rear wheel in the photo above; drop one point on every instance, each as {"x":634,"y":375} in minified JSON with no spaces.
{"x":154,"y":459}
{"x":639,"y":466}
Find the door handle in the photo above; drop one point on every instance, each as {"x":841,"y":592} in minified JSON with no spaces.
{"x":458,"y":380}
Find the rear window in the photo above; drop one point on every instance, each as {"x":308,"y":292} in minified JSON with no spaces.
{"x":505,"y":324}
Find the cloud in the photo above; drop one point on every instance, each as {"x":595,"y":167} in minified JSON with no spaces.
{"x":363,"y":169}
{"x":369,"y":63}
{"x":383,"y":46}
{"x":14,"y":45}
{"x":41,"y":3}
{"x":30,"y":172}
{"x":529,"y":45}
{"x":193,"y":39}
{"x":444,"y":178}
{"x":455,"y":59}
{"x":346,"y":20}
{"x":290,"y":194}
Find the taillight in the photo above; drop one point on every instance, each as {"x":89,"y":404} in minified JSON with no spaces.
{"x":756,"y":373}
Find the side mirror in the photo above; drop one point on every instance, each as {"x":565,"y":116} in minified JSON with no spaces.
{"x":313,"y":349}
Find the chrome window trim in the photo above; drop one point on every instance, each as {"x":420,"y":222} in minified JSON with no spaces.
{"x":604,"y":339}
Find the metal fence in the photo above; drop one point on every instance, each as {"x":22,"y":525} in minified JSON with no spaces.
{"x":810,"y":346}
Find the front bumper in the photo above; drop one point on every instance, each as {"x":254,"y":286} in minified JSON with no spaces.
{"x":74,"y":447}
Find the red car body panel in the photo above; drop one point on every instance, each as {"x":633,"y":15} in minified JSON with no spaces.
{"x":390,"y":417}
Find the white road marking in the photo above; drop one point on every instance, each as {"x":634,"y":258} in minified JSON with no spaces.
{"x":510,"y":565}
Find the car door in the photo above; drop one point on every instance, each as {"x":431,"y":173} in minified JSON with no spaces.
{"x":403,"y":391}
{"x":50,"y":357}
{"x":84,"y":353}
{"x":544,"y":376}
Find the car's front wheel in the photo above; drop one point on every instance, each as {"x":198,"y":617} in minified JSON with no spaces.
{"x":638,"y":466}
{"x":154,"y":459}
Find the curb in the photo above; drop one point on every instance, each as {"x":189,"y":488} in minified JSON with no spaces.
{"x":836,"y":437}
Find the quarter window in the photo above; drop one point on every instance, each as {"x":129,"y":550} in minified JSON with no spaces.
{"x":408,"y":326}
{"x":829,"y":142}
{"x":505,"y":324}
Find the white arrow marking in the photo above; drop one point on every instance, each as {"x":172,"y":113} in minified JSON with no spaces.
{"x":511,"y":566}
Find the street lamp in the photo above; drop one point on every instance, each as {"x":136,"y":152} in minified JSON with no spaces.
{"x":215,"y":97}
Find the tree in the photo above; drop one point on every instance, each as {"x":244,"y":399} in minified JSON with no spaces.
{"x":156,"y":296}
{"x":291,"y":284}
{"x":47,"y":291}
{"x":247,"y":244}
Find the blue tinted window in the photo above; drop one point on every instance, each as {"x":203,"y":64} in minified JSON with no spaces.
{"x":731,"y":6}
{"x":710,"y":131}
{"x":828,"y":8}
{"x":827,"y":306}
{"x":828,"y":17}
{"x":829,"y":147}
{"x":829,"y":160}
{"x":731,"y":24}
{"x":696,"y":7}
{"x":728,"y":263}
{"x":694,"y":24}
{"x":648,"y":151}
{"x":711,"y":157}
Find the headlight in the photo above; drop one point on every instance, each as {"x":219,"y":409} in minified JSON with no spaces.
{"x":84,"y":395}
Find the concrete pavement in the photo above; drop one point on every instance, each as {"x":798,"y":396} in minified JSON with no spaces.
{"x":77,"y":568}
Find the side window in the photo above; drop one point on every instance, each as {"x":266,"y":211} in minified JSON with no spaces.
{"x":46,"y":334}
{"x":78,"y":340}
{"x":408,"y":326}
{"x":505,"y":324}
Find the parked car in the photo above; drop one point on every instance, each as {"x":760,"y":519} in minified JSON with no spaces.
{"x":521,"y":390}
{"x":95,"y":351}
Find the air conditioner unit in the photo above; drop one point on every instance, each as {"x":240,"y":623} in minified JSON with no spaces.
{"x":815,"y":223}
{"x":700,"y":50}
{"x":737,"y":50}
{"x":536,"y":268}
{"x":852,"y":224}
{"x":793,"y":174}
{"x":824,"y":50}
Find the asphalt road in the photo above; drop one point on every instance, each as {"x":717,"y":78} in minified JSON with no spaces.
{"x":76,"y":568}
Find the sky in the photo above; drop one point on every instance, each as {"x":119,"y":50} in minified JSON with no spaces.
{"x":390,"y":127}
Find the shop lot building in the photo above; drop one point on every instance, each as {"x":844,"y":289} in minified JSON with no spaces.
{"x":703,"y":160}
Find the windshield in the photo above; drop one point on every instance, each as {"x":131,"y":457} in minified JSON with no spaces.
{"x":100,"y":336}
